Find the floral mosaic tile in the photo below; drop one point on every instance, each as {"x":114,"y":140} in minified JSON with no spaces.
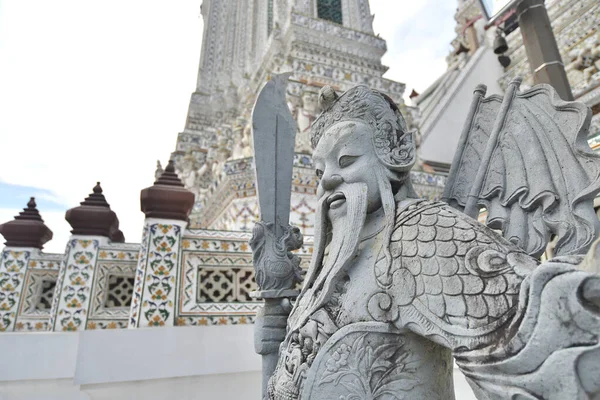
{"x":73,"y":295}
{"x":40,"y":325}
{"x":140,"y":273}
{"x":156,"y":276}
{"x":13,"y":266}
{"x":210,"y":320}
{"x":107,"y":324}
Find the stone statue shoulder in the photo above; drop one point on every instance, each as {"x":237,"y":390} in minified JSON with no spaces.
{"x":450,"y":278}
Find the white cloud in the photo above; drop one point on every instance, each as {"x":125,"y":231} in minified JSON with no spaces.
{"x":418,"y":35}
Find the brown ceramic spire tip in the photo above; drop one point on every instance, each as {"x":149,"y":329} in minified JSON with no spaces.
{"x":30,"y":212}
{"x":167,"y":198}
{"x":27,"y":229}
{"x":170,"y":166}
{"x":96,"y":198}
{"x":93,"y":216}
{"x":169,"y":177}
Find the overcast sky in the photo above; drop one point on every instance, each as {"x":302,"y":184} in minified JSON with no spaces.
{"x":98,"y":90}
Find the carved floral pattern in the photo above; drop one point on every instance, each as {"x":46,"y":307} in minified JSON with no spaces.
{"x":372,"y":371}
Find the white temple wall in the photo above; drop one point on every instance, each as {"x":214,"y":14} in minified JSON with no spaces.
{"x":442,"y":130}
{"x":214,"y":362}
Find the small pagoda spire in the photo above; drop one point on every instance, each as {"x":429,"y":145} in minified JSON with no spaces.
{"x":94,"y":216}
{"x":27,"y":229}
{"x":169,"y":177}
{"x":167,"y":198}
{"x":96,"y":198}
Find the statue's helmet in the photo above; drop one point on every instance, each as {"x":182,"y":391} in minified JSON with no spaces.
{"x":394,"y":145}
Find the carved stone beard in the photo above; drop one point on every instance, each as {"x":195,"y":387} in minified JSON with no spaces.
{"x":343,"y":243}
{"x":342,"y":248}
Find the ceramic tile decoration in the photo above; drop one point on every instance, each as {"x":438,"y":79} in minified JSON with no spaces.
{"x":38,"y":292}
{"x":218,"y":277}
{"x":12,"y":277}
{"x":74,"y":286}
{"x":157,"y":274}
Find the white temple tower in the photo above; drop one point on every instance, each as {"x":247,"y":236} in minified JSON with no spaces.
{"x":322,"y":42}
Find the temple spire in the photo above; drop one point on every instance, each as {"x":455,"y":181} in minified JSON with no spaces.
{"x":27,"y":229}
{"x":94,"y":217}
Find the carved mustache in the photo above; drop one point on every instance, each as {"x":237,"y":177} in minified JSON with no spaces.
{"x":335,"y":197}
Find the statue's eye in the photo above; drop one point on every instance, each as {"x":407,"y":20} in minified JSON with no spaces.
{"x":319,"y":173}
{"x":347,"y":160}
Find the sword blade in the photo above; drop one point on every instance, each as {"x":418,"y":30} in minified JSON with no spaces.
{"x":274,"y":136}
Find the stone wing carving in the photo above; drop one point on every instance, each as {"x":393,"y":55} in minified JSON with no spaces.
{"x":463,"y":286}
{"x":528,"y":163}
{"x":460,"y":280}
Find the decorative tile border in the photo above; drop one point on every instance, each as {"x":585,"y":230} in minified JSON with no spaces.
{"x":32,"y":292}
{"x":33,"y":325}
{"x":45,"y":261}
{"x":209,"y":241}
{"x":214,"y":262}
{"x":107,"y":254}
{"x":155,"y":287}
{"x":13,"y":267}
{"x":107,"y":324}
{"x":42,"y":268}
{"x":211,"y":234}
{"x":140,"y":273}
{"x":74,"y":287}
{"x":209,"y":320}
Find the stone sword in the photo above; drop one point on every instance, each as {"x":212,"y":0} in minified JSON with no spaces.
{"x":277,"y":270}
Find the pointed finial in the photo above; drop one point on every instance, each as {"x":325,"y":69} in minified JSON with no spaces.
{"x":96,"y":198}
{"x":170,"y":166}
{"x":30,"y":213}
{"x":169,"y":177}
{"x":167,"y":198}
{"x":27,"y":229}
{"x":97,"y":189}
{"x":93,"y":216}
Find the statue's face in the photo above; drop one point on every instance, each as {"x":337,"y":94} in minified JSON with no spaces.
{"x":344,"y":156}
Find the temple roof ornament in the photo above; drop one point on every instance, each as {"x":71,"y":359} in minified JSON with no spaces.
{"x":27,"y":229}
{"x":94,"y":217}
{"x":167,"y":198}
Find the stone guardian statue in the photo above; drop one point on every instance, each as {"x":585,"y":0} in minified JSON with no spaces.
{"x":399,"y":288}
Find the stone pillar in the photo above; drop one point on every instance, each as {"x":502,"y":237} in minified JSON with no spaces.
{"x":167,"y":205}
{"x":541,"y":48}
{"x":94,"y":224}
{"x":25,"y":236}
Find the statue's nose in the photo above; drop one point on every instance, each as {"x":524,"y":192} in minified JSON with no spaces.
{"x":331,"y":182}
